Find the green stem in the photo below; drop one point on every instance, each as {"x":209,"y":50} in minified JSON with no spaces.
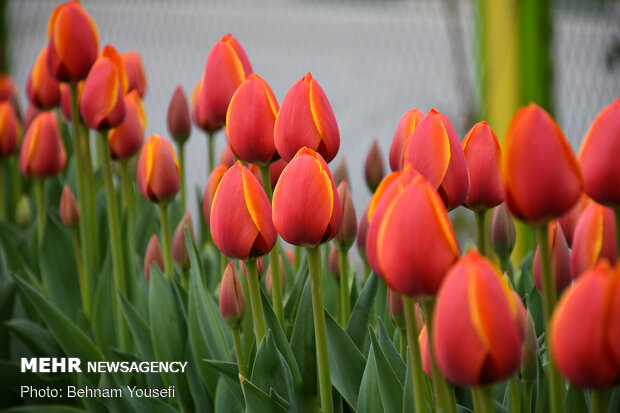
{"x":127,"y":194}
{"x":165,"y":236}
{"x":599,"y":400}
{"x":417,"y":374}
{"x":514,"y":394}
{"x":210,"y":150}
{"x":403,"y":343}
{"x":257,"y":305}
{"x":239,"y":352}
{"x":3,"y":195}
{"x":366,"y":270}
{"x":39,"y":187}
{"x":483,"y":398}
{"x":480,"y":231}
{"x":16,"y":177}
{"x":503,"y":264}
{"x":182,"y":163}
{"x":84,"y":287}
{"x":345,"y":296}
{"x":322,"y":359}
{"x":223,"y":262}
{"x":549,"y":301}
{"x":89,"y":184}
{"x":526,"y":396}
{"x":617,"y":220}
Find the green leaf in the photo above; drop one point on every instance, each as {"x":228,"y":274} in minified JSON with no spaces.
{"x":228,"y":368}
{"x":139,"y":329}
{"x":535,"y":305}
{"x":7,"y":300}
{"x":392,"y":355}
{"x":44,"y":409}
{"x":390,"y":388}
{"x":575,"y":400}
{"x":147,"y":224}
{"x":226,"y":399}
{"x":360,"y":318}
{"x":303,"y":342}
{"x":292,"y":298}
{"x":11,"y":258}
{"x":270,"y":370}
{"x":257,"y":401}
{"x":196,"y":384}
{"x":542,"y":389}
{"x":35,"y":337}
{"x":369,"y":400}
{"x":104,"y":306}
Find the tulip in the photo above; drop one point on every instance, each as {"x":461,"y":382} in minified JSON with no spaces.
{"x":249,"y":122}
{"x":179,"y":247}
{"x":232,"y":299}
{"x":68,"y":210}
{"x":212,"y":183}
{"x":402,"y":138}
{"x":42,"y":153}
{"x":529,"y":353}
{"x":560,"y":258}
{"x":136,"y":78}
{"x":341,"y":173}
{"x":42,"y":88}
{"x":539,"y":187}
{"x":179,"y":123}
{"x":8,"y":91}
{"x":396,"y":310}
{"x":569,"y":220}
{"x":585,"y":329}
{"x":31,"y":113}
{"x":306,"y":119}
{"x":374,"y":171}
{"x":503,"y":234}
{"x":260,"y":268}
{"x":594,"y":239}
{"x":227,"y":158}
{"x":435,"y":151}
{"x":158,"y":170}
{"x":332,"y":262}
{"x":102,"y":105}
{"x":425,"y":353}
{"x":362,"y":231}
{"x":152,"y":256}
{"x":73,"y":42}
{"x":348,"y":229}
{"x":199,"y":115}
{"x":126,"y":139}
{"x":275,"y":170}
{"x":476,"y":337}
{"x":10,"y":130}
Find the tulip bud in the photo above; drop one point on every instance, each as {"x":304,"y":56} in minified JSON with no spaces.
{"x":275,"y":170}
{"x":241,"y":223}
{"x":594,"y":239}
{"x":68,"y":208}
{"x":486,"y":346}
{"x":435,"y":151}
{"x":268,"y":281}
{"x":362,"y":231}
{"x":560,"y":258}
{"x":341,"y":173}
{"x":199,"y":115}
{"x":42,"y":88}
{"x":425,"y":353}
{"x":31,"y":113}
{"x":126,"y":139}
{"x":10,"y":130}
{"x":152,"y":256}
{"x":348,"y":229}
{"x":483,"y":157}
{"x":503,"y":233}
{"x":8,"y":91}
{"x":136,"y":79}
{"x":227,"y":158}
{"x":73,"y":42}
{"x":42,"y":153}
{"x":249,"y":122}
{"x":179,"y":123}
{"x":158,"y":170}
{"x":23,"y":211}
{"x":539,"y":187}
{"x":306,"y":206}
{"x":306,"y":119}
{"x":569,"y":220}
{"x":374,"y":171}
{"x":333,"y":261}
{"x":260,"y":268}
{"x":212,"y":183}
{"x":529,"y":351}
{"x":179,"y":247}
{"x":402,"y":138}
{"x":232,"y":299}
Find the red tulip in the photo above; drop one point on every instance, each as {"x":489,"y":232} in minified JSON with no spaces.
{"x":42,"y":88}
{"x":158,"y":170}
{"x":306,"y":119}
{"x":598,"y":156}
{"x":503,"y":233}
{"x":73,"y":42}
{"x":31,"y":113}
{"x":374,"y":171}
{"x":595,"y":239}
{"x":560,"y":259}
{"x":585,"y":329}
{"x":345,"y":237}
{"x":126,"y":139}
{"x":68,"y":209}
{"x":333,"y":261}
{"x":476,"y":335}
{"x":435,"y":151}
{"x":136,"y":79}
{"x":241,"y":223}
{"x":402,"y":138}
{"x":539,"y":187}
{"x":179,"y":122}
{"x":249,"y":122}
{"x":8,"y":91}
{"x":275,"y":170}
{"x":212,"y":183}
{"x":42,"y":153}
{"x":306,"y":205}
{"x":227,"y":158}
{"x":529,"y":352}
{"x":10,"y":130}
{"x":199,"y":115}
{"x":483,"y":157}
{"x":569,"y":220}
{"x":152,"y":256}
{"x":180,"y":253}
{"x":232,"y":299}
{"x":425,"y":354}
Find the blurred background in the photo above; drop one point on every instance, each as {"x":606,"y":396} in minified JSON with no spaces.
{"x":471,"y":59}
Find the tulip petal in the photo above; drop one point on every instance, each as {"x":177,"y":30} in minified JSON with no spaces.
{"x":429,"y":150}
{"x":259,"y":209}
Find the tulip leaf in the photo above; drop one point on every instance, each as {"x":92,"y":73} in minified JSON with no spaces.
{"x":576,"y":400}
{"x":390,"y":387}
{"x":392,"y":355}
{"x":38,"y":340}
{"x":7,"y":301}
{"x":270,"y":370}
{"x":542,"y":388}
{"x":302,"y":342}
{"x":228,"y":368}
{"x":360,"y":317}
{"x":147,"y":224}
{"x":104,"y":306}
{"x":369,"y":400}
{"x":226,"y":399}
{"x":44,"y":409}
{"x":197,"y":386}
{"x":139,"y":329}
{"x":291,"y":300}
{"x":535,"y":306}
{"x":257,"y":401}
{"x":10,"y":257}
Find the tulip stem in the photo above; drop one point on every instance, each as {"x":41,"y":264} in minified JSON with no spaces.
{"x":481,"y":231}
{"x":599,"y":400}
{"x":239,"y":351}
{"x":526,"y":405}
{"x":514,"y":394}
{"x":211,"y":150}
{"x":182,"y":163}
{"x":617,"y":220}
{"x":345,"y":295}
{"x":84,"y":287}
{"x":417,"y":374}
{"x":257,"y":305}
{"x":165,"y":237}
{"x":127,"y":194}
{"x":549,"y":300}
{"x":297,"y":254}
{"x":89,"y":185}
{"x":39,"y":187}
{"x":322,"y":359}
{"x":483,"y":399}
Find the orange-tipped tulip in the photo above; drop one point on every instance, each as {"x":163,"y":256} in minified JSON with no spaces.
{"x":180,"y":253}
{"x":402,"y":138}
{"x":212,"y":183}
{"x":153,"y":256}
{"x":68,"y":209}
{"x":345,"y":237}
{"x":102,"y":105}
{"x":158,"y":170}
{"x":595,"y":239}
{"x":179,"y":122}
{"x":241,"y":223}
{"x":598,"y":156}
{"x":126,"y":139}
{"x":136,"y":79}
{"x":249,"y":122}
{"x":227,"y":67}
{"x":306,"y":206}
{"x":10,"y":130}
{"x":73,"y":42}
{"x":476,"y":334}
{"x":306,"y":119}
{"x":42,"y":88}
{"x":542,"y":179}
{"x":232,"y":299}
{"x":560,"y":259}
{"x":42,"y":153}
{"x":569,"y":220}
{"x":483,"y":157}
{"x":585,"y":329}
{"x":435,"y":151}
{"x":8,"y":91}
{"x":503,"y":233}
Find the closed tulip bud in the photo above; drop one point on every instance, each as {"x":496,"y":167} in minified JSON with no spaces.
{"x":595,"y":239}
{"x":333,"y":261}
{"x":212,"y":183}
{"x":598,"y":156}
{"x":486,"y":346}
{"x":180,"y":253}
{"x":73,"y":42}
{"x":8,"y":91}
{"x":179,"y":123}
{"x":306,"y":206}
{"x":560,"y":259}
{"x":10,"y":130}
{"x":402,"y":138}
{"x":268,"y":281}
{"x":345,"y":237}
{"x":152,"y":256}
{"x":275,"y":170}
{"x":249,"y":122}
{"x":585,"y":329}
{"x":136,"y":79}
{"x":42,"y":88}
{"x":435,"y":151}
{"x":227,"y":158}
{"x":158,"y":170}
{"x":503,"y":233}
{"x":539,"y":187}
{"x":102,"y":105}
{"x":260,"y":268}
{"x":199,"y":115}
{"x":232,"y":299}
{"x":529,"y":352}
{"x":42,"y":153}
{"x":126,"y":139}
{"x":569,"y":220}
{"x":306,"y":119}
{"x":69,"y":213}
{"x":374,"y":170}
{"x":362,"y":232}
{"x":241,"y":223}
{"x":341,"y":173}
{"x":23,"y":211}
{"x":31,"y":113}
{"x":483,"y":157}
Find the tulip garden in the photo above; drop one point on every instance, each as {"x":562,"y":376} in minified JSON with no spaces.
{"x":100,"y":259}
